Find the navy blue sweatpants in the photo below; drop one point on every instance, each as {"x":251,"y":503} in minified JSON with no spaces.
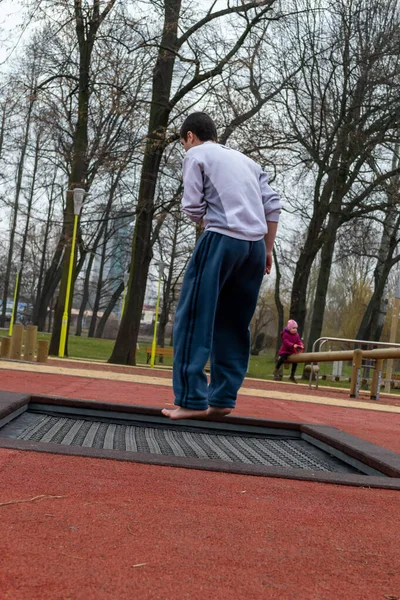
{"x":218,"y":299}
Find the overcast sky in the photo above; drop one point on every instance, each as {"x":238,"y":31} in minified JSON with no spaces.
{"x":11,"y":29}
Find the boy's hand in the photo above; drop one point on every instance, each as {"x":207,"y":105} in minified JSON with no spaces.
{"x":268,"y":264}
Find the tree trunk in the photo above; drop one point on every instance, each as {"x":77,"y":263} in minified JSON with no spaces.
{"x":278,"y":303}
{"x":103,"y":227}
{"x":110,"y":307}
{"x":28,"y":214}
{"x":51,"y":281}
{"x":3,"y":123}
{"x":380,"y":315}
{"x":52,"y":308}
{"x":76,"y":180}
{"x":323,"y":280}
{"x":374,"y":317}
{"x":166,"y":304}
{"x":20,"y":172}
{"x":96,"y":306}
{"x":85,"y":295}
{"x":373,"y":320}
{"x":163,"y":321}
{"x":125,"y":345}
{"x":326,"y":197}
{"x":298,"y":304}
{"x":36,"y":308}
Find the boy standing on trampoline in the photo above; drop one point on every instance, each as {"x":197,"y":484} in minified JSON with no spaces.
{"x":240,"y":213}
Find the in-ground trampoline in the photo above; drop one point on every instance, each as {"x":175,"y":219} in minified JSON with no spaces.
{"x":232,"y":444}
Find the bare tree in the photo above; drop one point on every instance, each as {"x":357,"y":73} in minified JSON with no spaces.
{"x":32,"y":75}
{"x":174,"y":248}
{"x":337,"y":116}
{"x":373,"y":320}
{"x":87,"y":24}
{"x":28,"y":212}
{"x":164,"y":99}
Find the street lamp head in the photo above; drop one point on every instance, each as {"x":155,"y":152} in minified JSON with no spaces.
{"x":126,"y":278}
{"x":79,"y":195}
{"x":161,"y":267}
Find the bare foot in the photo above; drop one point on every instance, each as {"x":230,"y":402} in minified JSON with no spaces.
{"x":183,"y":413}
{"x":214,"y":411}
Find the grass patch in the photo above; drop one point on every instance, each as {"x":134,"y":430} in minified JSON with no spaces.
{"x":99,"y":349}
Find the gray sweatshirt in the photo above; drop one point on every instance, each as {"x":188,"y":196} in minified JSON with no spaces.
{"x":229,"y":191}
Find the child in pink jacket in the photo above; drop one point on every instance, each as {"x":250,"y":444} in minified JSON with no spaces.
{"x":290,"y":342}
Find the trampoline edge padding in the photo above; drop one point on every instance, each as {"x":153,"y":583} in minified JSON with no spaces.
{"x":375,"y":457}
{"x":12,"y":401}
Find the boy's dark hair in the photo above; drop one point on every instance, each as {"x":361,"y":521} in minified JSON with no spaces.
{"x":201,"y":125}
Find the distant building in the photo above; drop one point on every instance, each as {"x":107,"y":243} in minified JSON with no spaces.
{"x":118,"y":248}
{"x":148,"y":315}
{"x":23,"y":313}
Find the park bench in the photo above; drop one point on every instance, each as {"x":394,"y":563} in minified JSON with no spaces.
{"x":159,"y":352}
{"x":166,"y":352}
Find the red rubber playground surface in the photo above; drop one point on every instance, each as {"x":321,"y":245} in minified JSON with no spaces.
{"x":92,"y":529}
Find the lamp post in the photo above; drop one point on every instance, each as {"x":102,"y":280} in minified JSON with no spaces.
{"x":79,"y":195}
{"x":154,"y":345}
{"x":393,"y":332}
{"x":126,"y":281}
{"x":19,"y":267}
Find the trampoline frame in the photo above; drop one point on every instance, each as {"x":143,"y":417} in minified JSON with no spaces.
{"x":382,"y":464}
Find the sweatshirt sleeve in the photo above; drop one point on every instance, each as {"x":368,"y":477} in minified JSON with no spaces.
{"x":270,"y":199}
{"x":193,"y":203}
{"x":288,"y":342}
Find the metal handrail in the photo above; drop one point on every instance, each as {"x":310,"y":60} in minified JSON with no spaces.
{"x":369,"y":342}
{"x":323,"y":340}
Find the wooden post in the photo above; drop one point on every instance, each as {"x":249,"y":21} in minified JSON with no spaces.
{"x":30,"y":342}
{"x":43,"y":351}
{"x":356,"y":373}
{"x":376,"y":380}
{"x":5,"y":347}
{"x":392,"y":338}
{"x":16,"y":342}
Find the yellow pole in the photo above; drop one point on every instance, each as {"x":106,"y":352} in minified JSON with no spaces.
{"x":126,"y":281}
{"x":64,"y":324}
{"x":154,"y":345}
{"x":14,"y":302}
{"x":123,"y":302}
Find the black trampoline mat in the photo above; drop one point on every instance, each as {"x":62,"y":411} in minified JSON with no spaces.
{"x":173,"y":441}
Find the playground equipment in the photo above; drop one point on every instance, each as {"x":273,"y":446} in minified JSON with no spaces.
{"x":5,"y":347}
{"x":16,"y":342}
{"x":318,"y":344}
{"x":43,"y":351}
{"x":30,"y":342}
{"x":11,"y":347}
{"x":356,"y":356}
